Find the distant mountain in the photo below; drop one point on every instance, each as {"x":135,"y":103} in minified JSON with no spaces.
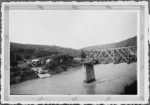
{"x":126,"y":43}
{"x":28,"y":51}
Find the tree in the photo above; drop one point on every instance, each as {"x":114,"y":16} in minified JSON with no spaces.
{"x":28,"y":56}
{"x":18,"y":57}
{"x":13,"y":60}
{"x":83,"y":54}
{"x":13,"y":63}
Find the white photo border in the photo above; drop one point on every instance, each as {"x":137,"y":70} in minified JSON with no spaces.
{"x":143,"y":91}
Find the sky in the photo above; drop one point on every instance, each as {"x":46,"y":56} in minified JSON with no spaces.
{"x":71,"y":28}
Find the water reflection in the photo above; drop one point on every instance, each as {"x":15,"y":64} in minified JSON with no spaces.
{"x":90,"y":88}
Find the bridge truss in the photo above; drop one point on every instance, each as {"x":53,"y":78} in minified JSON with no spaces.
{"x":114,"y":55}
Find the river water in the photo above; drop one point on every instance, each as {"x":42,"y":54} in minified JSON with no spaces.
{"x":110,"y":79}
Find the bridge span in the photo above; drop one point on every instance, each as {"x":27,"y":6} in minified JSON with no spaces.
{"x":105,"y":56}
{"x":114,"y":55}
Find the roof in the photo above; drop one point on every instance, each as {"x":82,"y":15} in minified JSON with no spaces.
{"x":35,"y":60}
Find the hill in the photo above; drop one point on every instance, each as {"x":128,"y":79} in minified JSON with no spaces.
{"x":21,"y":54}
{"x":126,"y":43}
{"x":28,"y":51}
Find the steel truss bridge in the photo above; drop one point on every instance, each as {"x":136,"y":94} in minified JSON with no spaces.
{"x":113,"y":55}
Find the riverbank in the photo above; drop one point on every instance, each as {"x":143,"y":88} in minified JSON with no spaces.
{"x":18,"y":75}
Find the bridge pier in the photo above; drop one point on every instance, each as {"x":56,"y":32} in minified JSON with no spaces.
{"x":90,"y":75}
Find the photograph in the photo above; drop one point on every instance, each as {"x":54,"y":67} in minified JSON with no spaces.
{"x":55,"y":52}
{"x":73,"y":52}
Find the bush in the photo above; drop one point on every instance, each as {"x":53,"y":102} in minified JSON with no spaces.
{"x":28,"y":74}
{"x":13,"y":62}
{"x":17,"y":74}
{"x":59,"y":63}
{"x":18,"y":57}
{"x":76,"y":63}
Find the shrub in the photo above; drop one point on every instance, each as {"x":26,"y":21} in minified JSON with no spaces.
{"x":28,"y":74}
{"x":59,"y":63}
{"x":17,"y":74}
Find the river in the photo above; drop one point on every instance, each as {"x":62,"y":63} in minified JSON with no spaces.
{"x":110,"y":79}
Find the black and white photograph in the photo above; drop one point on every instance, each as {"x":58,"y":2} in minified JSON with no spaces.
{"x":72,"y":50}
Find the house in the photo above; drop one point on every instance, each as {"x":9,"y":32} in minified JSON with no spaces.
{"x":36,"y":62}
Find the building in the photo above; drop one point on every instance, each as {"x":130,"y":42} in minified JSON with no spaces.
{"x":36,"y":62}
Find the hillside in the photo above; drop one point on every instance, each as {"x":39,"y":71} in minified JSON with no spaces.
{"x":128,"y":42}
{"x":28,"y":51}
{"x":21,"y":54}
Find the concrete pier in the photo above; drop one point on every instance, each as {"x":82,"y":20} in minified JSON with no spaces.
{"x":90,"y":75}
